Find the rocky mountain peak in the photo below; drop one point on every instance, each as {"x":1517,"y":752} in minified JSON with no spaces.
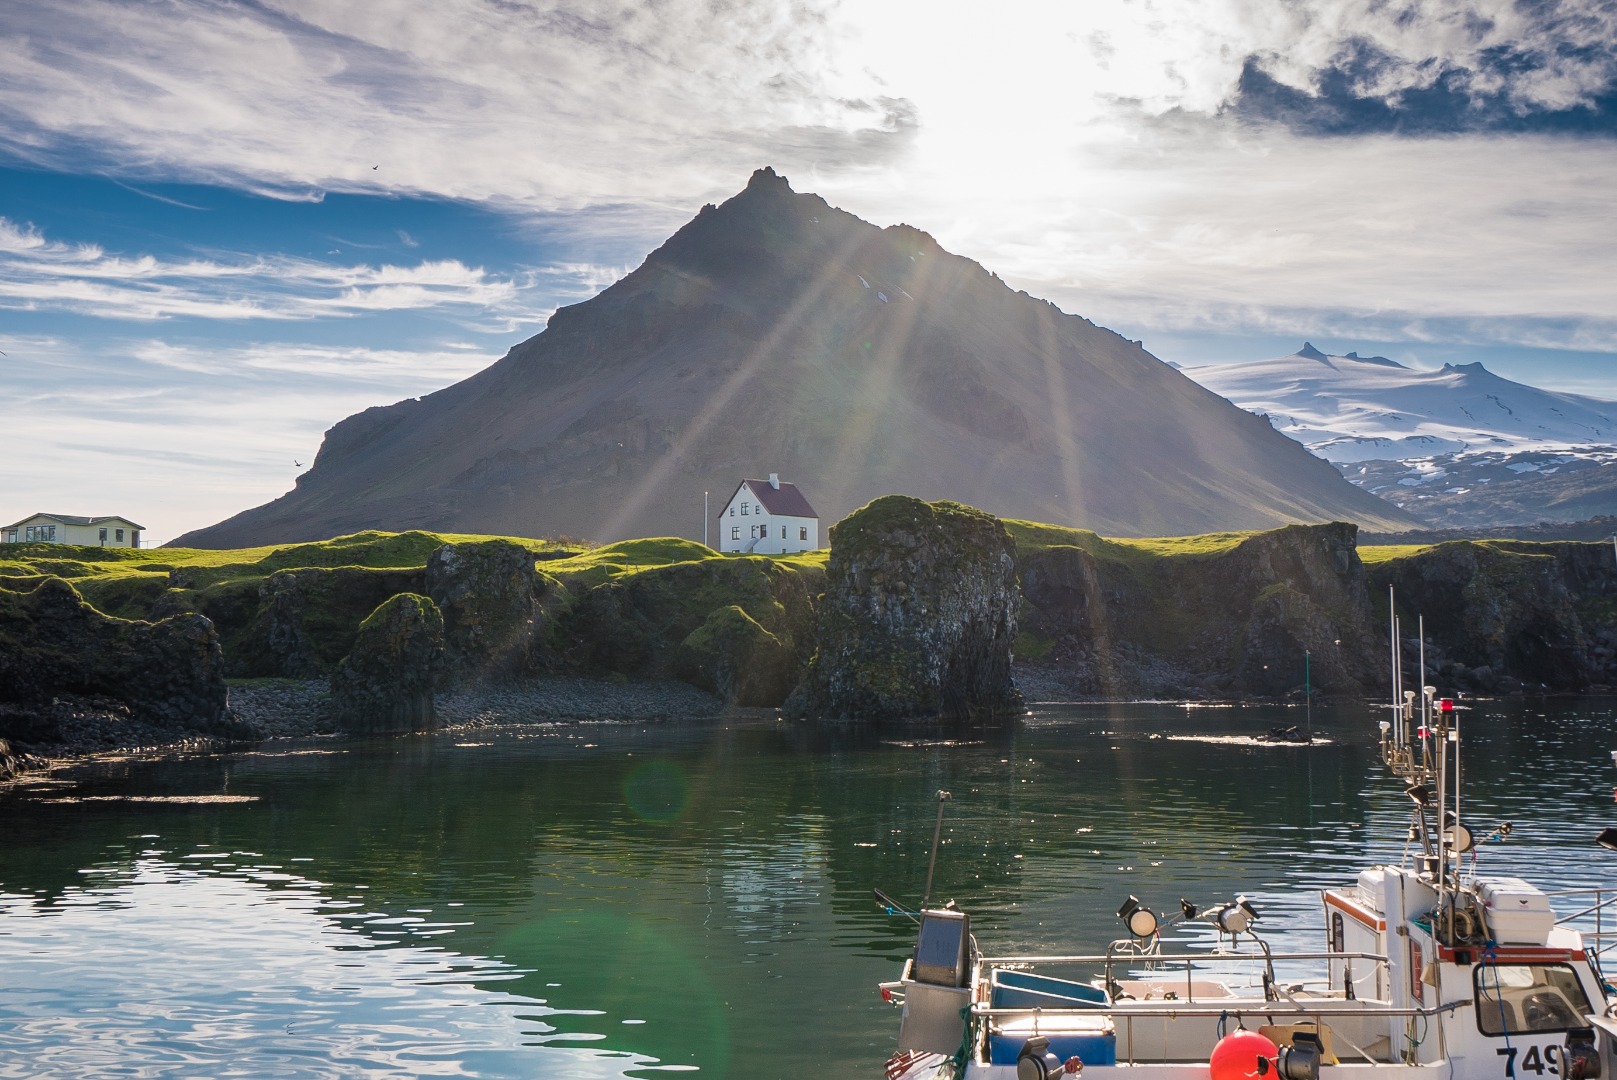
{"x":774,"y":332}
{"x":1308,"y":352}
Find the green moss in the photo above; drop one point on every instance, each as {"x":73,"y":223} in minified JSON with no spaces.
{"x":1030,"y":646}
{"x":129,"y":596}
{"x":591,"y":568}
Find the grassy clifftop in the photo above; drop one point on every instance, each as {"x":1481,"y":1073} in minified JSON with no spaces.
{"x":1212,"y":614}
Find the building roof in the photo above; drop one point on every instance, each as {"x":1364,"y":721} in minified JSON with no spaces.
{"x":74,"y":519}
{"x":785,"y":500}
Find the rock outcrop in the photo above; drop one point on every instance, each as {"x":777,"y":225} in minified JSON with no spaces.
{"x":1502,"y":615}
{"x":486,"y":592}
{"x":918,"y":616}
{"x":733,"y":656}
{"x":1231,"y":620}
{"x":306,"y":618}
{"x":386,"y":684}
{"x":170,"y":673}
{"x":675,"y":620}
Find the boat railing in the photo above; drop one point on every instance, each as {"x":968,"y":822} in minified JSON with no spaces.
{"x":1290,"y":1010}
{"x":1176,"y":1009}
{"x":1598,"y":901}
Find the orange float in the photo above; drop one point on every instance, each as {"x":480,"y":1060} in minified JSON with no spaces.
{"x":1242,"y":1055}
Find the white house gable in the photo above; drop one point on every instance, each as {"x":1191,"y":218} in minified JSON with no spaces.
{"x":768,"y":517}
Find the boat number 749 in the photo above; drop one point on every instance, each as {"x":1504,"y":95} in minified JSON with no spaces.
{"x":1532,"y":1059}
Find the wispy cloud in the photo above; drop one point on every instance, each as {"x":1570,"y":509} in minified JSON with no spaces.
{"x":180,"y":435}
{"x":41,"y":274}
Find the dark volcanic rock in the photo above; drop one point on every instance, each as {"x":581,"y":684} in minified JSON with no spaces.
{"x":646,"y":626}
{"x":386,"y":684}
{"x":1499,"y":614}
{"x":485,"y":591}
{"x":170,"y":673}
{"x":733,"y":656}
{"x":918,"y":616}
{"x":307,"y":618}
{"x":1232,"y":621}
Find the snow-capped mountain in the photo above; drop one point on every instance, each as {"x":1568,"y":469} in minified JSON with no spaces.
{"x":1368,"y":408}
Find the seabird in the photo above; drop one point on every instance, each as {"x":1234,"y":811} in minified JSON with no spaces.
{"x":298,"y":463}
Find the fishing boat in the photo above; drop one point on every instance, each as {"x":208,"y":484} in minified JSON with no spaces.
{"x":1429,"y":971}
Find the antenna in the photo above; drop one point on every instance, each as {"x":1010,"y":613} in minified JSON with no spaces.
{"x":931,"y":863}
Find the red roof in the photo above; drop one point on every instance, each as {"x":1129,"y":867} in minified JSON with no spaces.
{"x":785,"y":500}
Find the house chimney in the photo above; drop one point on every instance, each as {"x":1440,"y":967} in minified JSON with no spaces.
{"x":774,"y":480}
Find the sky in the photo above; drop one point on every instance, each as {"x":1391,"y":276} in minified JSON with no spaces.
{"x":224,"y":226}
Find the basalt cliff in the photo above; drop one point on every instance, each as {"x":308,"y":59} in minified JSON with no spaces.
{"x":921,"y":611}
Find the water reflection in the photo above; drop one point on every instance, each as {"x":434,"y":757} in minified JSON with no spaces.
{"x":619,"y":898}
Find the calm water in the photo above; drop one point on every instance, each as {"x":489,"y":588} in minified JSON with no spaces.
{"x":623,"y":900}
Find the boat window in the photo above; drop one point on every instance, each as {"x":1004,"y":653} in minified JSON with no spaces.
{"x":1516,"y":998}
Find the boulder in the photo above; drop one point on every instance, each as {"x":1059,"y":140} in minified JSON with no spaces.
{"x":170,"y":673}
{"x":650,"y":624}
{"x":918,"y":616}
{"x":733,"y":656}
{"x":307,"y":617}
{"x":486,"y":591}
{"x":386,"y":684}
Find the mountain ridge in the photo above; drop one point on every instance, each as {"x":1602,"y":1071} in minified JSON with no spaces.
{"x":776,"y":333}
{"x":1378,"y":409}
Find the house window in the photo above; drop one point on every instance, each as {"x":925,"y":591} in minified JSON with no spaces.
{"x":120,"y":535}
{"x":134,"y":538}
{"x":783,"y":532}
{"x":802,"y":533}
{"x":732,"y":511}
{"x":11,"y":536}
{"x":103,"y":536}
{"x":744,"y":509}
{"x":40,"y":532}
{"x":735,"y":532}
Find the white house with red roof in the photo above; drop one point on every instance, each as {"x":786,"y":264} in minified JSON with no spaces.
{"x":768,"y":517}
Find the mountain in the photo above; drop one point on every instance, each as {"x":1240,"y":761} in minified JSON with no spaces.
{"x":1460,"y":447}
{"x":1368,"y":408}
{"x":775,"y":334}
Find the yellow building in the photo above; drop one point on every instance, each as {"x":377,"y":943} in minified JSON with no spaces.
{"x":71,"y":529}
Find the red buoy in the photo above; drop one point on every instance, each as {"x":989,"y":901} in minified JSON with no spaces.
{"x":1237,"y":1056}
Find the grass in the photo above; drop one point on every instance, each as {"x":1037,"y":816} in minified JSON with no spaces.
{"x":1385,"y":553}
{"x":1031,"y":536}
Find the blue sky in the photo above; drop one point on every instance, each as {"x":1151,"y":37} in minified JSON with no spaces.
{"x":225,"y":226}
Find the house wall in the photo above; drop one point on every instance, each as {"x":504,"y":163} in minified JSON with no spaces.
{"x":739,"y":531}
{"x":85,"y":535}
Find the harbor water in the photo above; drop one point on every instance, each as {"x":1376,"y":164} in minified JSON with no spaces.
{"x":613,"y":899}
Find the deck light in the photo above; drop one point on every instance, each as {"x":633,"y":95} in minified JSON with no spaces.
{"x":1140,"y":920}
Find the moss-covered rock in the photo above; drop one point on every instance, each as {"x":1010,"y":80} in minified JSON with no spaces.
{"x":733,"y":656}
{"x":918,"y":616}
{"x":170,"y":673}
{"x":306,"y":619}
{"x":486,"y":591}
{"x":1530,"y":613}
{"x":638,"y":624}
{"x":386,"y":684}
{"x":1230,"y":615}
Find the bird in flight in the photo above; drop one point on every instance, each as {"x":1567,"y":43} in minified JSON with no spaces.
{"x":375,"y":167}
{"x":298,"y":463}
